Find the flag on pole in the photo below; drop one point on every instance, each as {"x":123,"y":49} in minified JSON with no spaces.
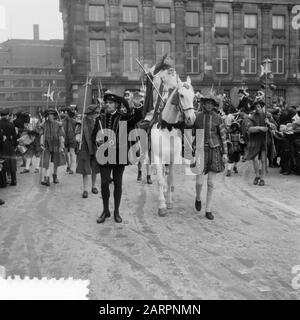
{"x":49,"y":94}
{"x":88,"y":82}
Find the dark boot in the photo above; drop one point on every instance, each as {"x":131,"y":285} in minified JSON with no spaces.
{"x":117,"y":217}
{"x":55,"y":180}
{"x":139,"y":177}
{"x":209,"y":216}
{"x":198,"y":205}
{"x":46,"y":182}
{"x":149,"y":181}
{"x":104,"y":215}
{"x":13,"y":179}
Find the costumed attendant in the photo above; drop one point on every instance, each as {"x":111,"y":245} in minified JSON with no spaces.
{"x":134,"y":104}
{"x":70,"y":142}
{"x":86,"y":161}
{"x":258,"y":126}
{"x":244,"y":103}
{"x":2,"y":173}
{"x":234,"y":148}
{"x":31,"y":140}
{"x":215,"y":149}
{"x":52,"y":144}
{"x":107,"y":131}
{"x":9,"y":145}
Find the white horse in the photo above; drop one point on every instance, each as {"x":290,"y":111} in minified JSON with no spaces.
{"x":166,"y":137}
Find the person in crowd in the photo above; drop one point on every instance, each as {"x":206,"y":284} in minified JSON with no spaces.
{"x":135,"y":102}
{"x":3,"y":180}
{"x":69,"y":124}
{"x":30,"y":142}
{"x":244,"y":103}
{"x":20,"y":119}
{"x":235,"y":140}
{"x":52,"y":144}
{"x":86,"y":161}
{"x":9,"y":145}
{"x":260,"y":139}
{"x":297,"y":115}
{"x":215,"y":149}
{"x":111,"y":121}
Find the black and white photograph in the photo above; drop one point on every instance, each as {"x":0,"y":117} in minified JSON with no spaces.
{"x":150,"y":150}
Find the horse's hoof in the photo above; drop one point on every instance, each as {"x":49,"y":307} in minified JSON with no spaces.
{"x":169,"y":205}
{"x":162,"y":212}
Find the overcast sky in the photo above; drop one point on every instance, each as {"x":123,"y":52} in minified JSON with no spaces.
{"x":18,"y":16}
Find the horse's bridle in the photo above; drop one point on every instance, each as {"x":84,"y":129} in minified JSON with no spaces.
{"x":180,"y":106}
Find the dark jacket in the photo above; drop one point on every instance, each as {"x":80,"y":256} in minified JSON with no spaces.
{"x":112,"y":122}
{"x":69,"y":129}
{"x":244,"y":105}
{"x":214,"y":129}
{"x":9,"y":145}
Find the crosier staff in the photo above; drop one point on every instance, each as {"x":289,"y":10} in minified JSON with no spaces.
{"x":48,"y":95}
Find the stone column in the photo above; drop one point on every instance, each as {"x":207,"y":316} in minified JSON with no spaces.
{"x":291,"y":49}
{"x":238,"y":49}
{"x":147,"y":32}
{"x":266,"y":27}
{"x":79,"y":45}
{"x":180,"y":36}
{"x":208,"y":38}
{"x":79,"y":39}
{"x":115,"y":45}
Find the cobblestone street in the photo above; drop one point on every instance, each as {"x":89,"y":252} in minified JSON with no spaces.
{"x":247,"y":252}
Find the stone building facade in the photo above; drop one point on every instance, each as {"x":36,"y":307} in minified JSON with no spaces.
{"x":220,"y":43}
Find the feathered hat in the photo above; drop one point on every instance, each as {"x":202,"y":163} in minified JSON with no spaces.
{"x":212,"y":96}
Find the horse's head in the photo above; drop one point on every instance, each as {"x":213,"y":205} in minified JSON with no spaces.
{"x":186,"y":96}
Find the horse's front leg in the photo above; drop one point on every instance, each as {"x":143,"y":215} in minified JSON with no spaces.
{"x":161,"y":198}
{"x":170,"y":187}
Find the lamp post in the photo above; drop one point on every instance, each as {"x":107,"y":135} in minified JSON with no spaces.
{"x":267,"y":65}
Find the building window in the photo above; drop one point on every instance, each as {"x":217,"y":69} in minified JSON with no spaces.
{"x":96,"y":13}
{"x":192,"y":19}
{"x":250,"y":59}
{"x":36,"y":96}
{"x":131,"y":52}
{"x":37,"y":83}
{"x":278,"y":59}
{"x":192,"y":58}
{"x":98,"y":55}
{"x":60,"y":83}
{"x":222,"y":59}
{"x":162,"y":15}
{"x":278,"y":22}
{"x":162,"y":47}
{"x":22,"y":83}
{"x":130,"y":14}
{"x":250,"y":21}
{"x":222,"y":20}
